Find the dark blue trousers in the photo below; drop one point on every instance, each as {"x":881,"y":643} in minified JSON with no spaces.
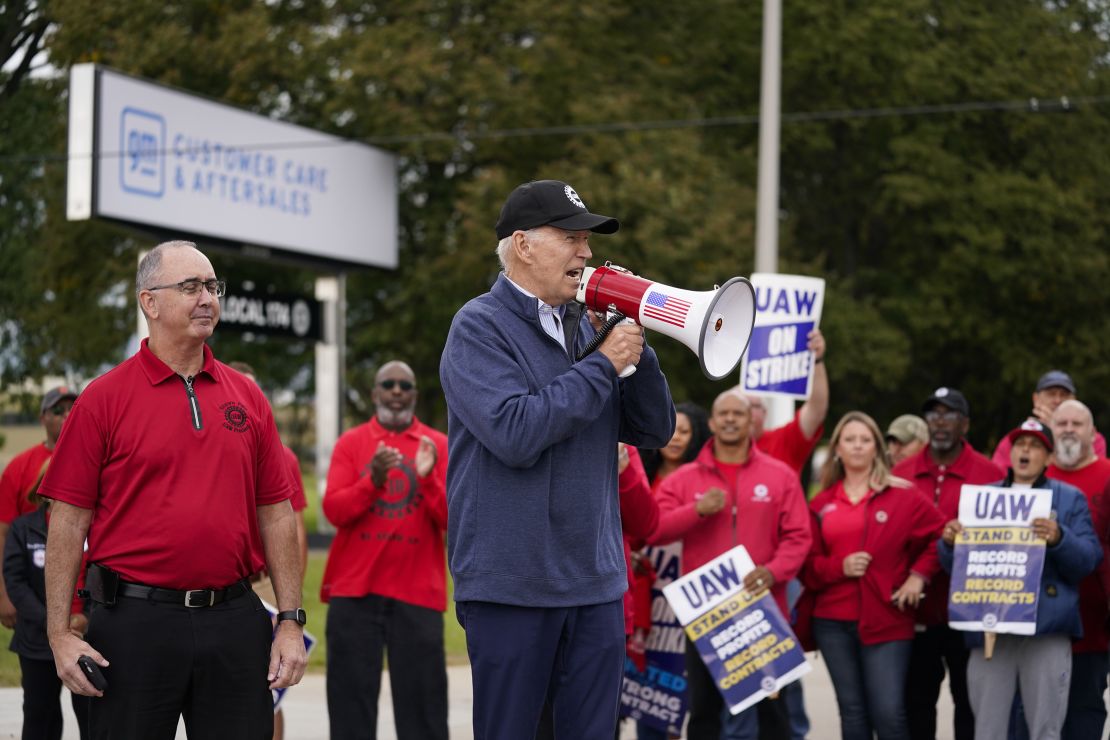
{"x":521,"y":657}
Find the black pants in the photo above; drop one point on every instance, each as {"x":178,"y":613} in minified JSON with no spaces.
{"x":937,"y":647}
{"x":42,"y":711}
{"x":706,"y":705}
{"x":359,"y":630}
{"x":167,"y":661}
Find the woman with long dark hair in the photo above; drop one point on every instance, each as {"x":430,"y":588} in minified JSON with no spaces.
{"x":691,"y":430}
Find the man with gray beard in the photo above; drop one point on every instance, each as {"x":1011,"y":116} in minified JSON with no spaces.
{"x":386,"y":578}
{"x":1077,"y":463}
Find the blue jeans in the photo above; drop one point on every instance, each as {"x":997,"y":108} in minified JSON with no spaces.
{"x":869,"y":680}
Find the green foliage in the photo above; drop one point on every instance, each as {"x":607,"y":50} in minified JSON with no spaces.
{"x":964,"y":247}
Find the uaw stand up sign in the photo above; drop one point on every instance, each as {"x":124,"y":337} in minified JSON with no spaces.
{"x":997,"y":562}
{"x":745,"y":641}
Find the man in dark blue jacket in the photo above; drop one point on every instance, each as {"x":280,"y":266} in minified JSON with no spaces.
{"x":1040,"y":665}
{"x":534,"y":531}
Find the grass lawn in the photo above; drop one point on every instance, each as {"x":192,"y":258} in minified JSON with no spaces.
{"x":454,"y":639}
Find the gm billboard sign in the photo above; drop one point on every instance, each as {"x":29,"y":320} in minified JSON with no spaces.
{"x":787,"y":308}
{"x":146,"y":154}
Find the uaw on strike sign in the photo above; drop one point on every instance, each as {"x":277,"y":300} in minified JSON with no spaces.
{"x":787,"y":309}
{"x":745,"y":641}
{"x":997,"y":562}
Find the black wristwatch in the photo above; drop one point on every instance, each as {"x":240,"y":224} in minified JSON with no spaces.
{"x":297,"y":615}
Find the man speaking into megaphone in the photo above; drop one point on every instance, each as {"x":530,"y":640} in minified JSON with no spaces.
{"x":534,"y":531}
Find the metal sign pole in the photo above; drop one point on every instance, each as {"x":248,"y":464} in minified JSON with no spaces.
{"x":331,"y":291}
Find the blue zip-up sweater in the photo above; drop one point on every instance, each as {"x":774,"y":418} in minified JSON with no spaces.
{"x":1066,"y":563}
{"x":533,"y":516}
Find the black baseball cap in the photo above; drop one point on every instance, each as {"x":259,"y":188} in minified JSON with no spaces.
{"x":51,"y":398}
{"x":949,"y":397}
{"x":549,"y":203}
{"x":1056,"y":379}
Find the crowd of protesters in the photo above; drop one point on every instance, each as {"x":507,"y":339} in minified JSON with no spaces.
{"x":532,"y":507}
{"x":883,"y":516}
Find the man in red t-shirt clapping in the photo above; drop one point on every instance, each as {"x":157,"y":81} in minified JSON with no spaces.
{"x":386,"y":578}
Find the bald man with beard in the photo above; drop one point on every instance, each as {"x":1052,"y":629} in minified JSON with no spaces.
{"x":386,"y":577}
{"x":1077,"y":463}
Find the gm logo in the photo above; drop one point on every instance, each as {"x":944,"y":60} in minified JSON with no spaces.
{"x":142,"y":168}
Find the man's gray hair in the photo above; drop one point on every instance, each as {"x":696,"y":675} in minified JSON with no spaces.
{"x":151,"y":263}
{"x":505,"y":247}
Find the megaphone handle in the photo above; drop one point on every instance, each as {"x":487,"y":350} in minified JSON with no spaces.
{"x":612,"y":318}
{"x":631,"y":368}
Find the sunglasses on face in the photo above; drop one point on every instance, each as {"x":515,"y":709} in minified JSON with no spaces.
{"x":948,"y":416}
{"x":59,"y":410}
{"x":388,"y":384}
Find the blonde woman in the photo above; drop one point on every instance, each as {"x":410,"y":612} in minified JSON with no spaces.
{"x":874,"y":550}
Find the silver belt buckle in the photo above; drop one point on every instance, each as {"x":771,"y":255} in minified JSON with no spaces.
{"x":189,"y":598}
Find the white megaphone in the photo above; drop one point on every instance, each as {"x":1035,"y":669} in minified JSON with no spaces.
{"x":715,"y":324}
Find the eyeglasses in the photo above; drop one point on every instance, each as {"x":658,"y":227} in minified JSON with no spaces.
{"x":942,"y":415}
{"x":192,"y":287}
{"x":405,"y":384}
{"x":59,"y":410}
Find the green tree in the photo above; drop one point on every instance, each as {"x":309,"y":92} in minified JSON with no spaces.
{"x":961,"y":246}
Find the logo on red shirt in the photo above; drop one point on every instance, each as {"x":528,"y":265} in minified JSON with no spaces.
{"x":235,"y":417}
{"x":402,"y":494}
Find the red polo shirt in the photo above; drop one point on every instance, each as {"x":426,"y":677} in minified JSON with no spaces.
{"x":1092,"y":480}
{"x":941,"y":484}
{"x":789,"y":443}
{"x":173,"y":491}
{"x":843,"y":529}
{"x":298,"y":500}
{"x":17,"y":480}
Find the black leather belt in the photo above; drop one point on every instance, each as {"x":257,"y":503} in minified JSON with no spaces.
{"x":194,"y":599}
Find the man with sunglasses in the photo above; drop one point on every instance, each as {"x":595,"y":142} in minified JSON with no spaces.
{"x":386,"y":577}
{"x":534,"y":538}
{"x":23,"y":472}
{"x":939,"y":471}
{"x":171,"y":466}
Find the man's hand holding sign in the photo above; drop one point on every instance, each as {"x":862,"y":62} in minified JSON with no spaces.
{"x":1017,"y":554}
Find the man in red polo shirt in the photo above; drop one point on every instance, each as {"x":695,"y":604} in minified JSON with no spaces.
{"x":939,"y":471}
{"x":734,"y":494}
{"x":1077,"y":463}
{"x":386,"y":578}
{"x":23,"y":472}
{"x":171,"y":466}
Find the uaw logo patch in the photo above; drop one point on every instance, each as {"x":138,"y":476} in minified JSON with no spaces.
{"x":573,"y":197}
{"x":880,"y":516}
{"x":38,"y":554}
{"x":402,"y":494}
{"x":235,"y":417}
{"x":761,"y":493}
{"x":142,"y":168}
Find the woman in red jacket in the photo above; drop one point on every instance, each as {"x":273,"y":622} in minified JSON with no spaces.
{"x":874,"y":549}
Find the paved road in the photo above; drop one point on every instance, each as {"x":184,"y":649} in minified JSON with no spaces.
{"x":306,"y":709}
